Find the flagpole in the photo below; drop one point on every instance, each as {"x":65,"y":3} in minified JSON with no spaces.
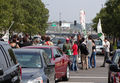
{"x":11,"y":25}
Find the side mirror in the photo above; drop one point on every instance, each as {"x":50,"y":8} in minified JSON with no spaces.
{"x":1,"y":71}
{"x":109,"y":61}
{"x":114,"y":68}
{"x":57,"y":55}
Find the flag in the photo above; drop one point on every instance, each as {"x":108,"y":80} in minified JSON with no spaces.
{"x":6,"y":36}
{"x":99,"y":30}
{"x":82,"y":22}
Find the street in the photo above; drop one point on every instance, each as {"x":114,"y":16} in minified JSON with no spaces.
{"x":93,"y":75}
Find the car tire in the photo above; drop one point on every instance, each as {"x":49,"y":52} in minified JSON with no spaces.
{"x":67,"y":76}
{"x":47,"y":81}
{"x":109,"y":78}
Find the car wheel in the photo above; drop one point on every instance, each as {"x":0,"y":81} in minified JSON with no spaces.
{"x":67,"y":76}
{"x":47,"y":81}
{"x":109,"y":77}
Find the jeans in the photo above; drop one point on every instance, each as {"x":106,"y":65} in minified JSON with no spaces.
{"x":89,"y":64}
{"x":93,"y":57}
{"x":74,"y":63}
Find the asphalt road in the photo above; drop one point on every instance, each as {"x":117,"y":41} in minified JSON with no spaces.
{"x":93,"y":75}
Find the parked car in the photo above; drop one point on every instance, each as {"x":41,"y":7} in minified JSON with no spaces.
{"x":99,"y":46}
{"x":62,"y":40}
{"x":36,"y":66}
{"x":114,"y":68}
{"x":10,"y":70}
{"x":61,"y":60}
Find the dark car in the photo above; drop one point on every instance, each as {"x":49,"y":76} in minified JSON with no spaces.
{"x":10,"y":70}
{"x":61,"y":41}
{"x":36,"y":66}
{"x":114,"y":68}
{"x":61,"y":60}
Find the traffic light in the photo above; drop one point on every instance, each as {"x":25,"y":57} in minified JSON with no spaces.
{"x":60,"y":23}
{"x":75,"y":22}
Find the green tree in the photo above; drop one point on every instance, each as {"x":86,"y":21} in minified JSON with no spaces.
{"x":29,"y":16}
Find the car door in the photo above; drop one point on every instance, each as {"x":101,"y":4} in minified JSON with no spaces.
{"x":64,"y":60}
{"x":116,"y":60}
{"x":59,"y":63}
{"x":49,"y":71}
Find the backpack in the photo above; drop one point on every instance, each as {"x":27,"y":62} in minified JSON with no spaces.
{"x":84,"y":49}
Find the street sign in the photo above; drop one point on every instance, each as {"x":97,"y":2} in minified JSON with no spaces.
{"x":53,"y":25}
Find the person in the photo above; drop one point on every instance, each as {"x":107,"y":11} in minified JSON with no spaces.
{"x":93,"y":56}
{"x":48,"y":42}
{"x":59,"y":44}
{"x":14,"y":44}
{"x":36,"y":42}
{"x":89,"y":46}
{"x":67,"y":47}
{"x":84,"y":57}
{"x":43,"y":38}
{"x":106,"y":51}
{"x":75,"y":54}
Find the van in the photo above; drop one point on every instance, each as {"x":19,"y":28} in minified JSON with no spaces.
{"x":10,"y":70}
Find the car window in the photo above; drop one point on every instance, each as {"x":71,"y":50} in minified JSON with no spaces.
{"x":3,"y":63}
{"x":11,"y":53}
{"x":29,"y":60}
{"x":98,"y":42}
{"x":55,"y":51}
{"x":48,"y":52}
{"x":55,"y":40}
{"x":116,"y":58}
{"x":60,"y":52}
{"x":46,"y":58}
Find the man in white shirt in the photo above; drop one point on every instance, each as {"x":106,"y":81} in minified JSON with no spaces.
{"x":106,"y":50}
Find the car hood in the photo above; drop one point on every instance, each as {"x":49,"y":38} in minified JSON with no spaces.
{"x":30,"y":73}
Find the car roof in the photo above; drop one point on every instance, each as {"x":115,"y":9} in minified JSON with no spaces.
{"x":3,"y":42}
{"x":41,"y":46}
{"x":28,"y":50}
{"x":117,"y":50}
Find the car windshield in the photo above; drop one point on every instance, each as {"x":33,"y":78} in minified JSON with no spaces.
{"x":29,"y":60}
{"x":98,"y":42}
{"x":55,"y":40}
{"x":48,"y":52}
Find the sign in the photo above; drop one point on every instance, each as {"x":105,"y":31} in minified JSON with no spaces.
{"x":53,"y":25}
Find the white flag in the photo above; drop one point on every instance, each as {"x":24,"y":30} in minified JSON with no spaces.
{"x":99,"y":30}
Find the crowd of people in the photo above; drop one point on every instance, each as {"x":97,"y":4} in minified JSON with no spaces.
{"x":81,"y":49}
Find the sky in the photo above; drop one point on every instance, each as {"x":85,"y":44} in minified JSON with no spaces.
{"x":69,"y":10}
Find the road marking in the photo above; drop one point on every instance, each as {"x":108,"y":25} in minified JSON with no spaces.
{"x":76,"y":82}
{"x":88,"y":77}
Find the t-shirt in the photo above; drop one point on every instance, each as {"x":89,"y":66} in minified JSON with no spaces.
{"x":75,"y":48}
{"x":107,"y":46}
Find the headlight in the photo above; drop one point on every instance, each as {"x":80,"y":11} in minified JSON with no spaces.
{"x":37,"y":80}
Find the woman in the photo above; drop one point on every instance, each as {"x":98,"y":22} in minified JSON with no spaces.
{"x":93,"y":56}
{"x":75,"y":54}
{"x":14,"y":44}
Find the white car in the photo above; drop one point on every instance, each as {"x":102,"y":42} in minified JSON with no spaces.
{"x":99,"y":46}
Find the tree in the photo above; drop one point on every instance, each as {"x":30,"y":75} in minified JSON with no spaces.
{"x":29,"y":16}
